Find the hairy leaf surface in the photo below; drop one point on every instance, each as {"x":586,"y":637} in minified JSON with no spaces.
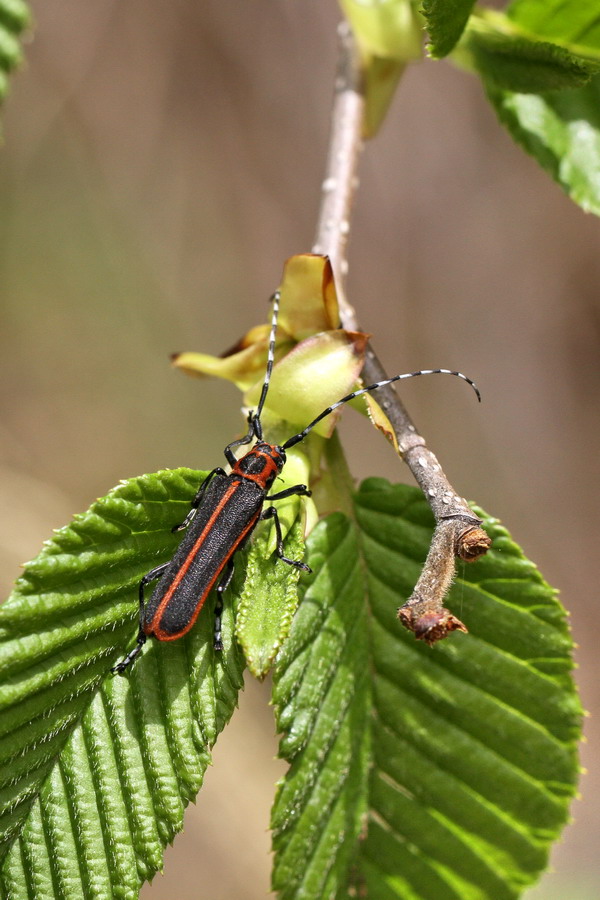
{"x":525,"y":66}
{"x":460,"y":757}
{"x":96,"y":770}
{"x":268,"y":601}
{"x":322,"y":696}
{"x":471,"y":744}
{"x":445,"y":23}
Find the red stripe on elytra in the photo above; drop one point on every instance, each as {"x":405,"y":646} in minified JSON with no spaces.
{"x":161,"y":635}
{"x":192,"y":554}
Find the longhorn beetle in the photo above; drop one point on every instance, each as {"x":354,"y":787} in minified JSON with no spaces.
{"x":223,"y":515}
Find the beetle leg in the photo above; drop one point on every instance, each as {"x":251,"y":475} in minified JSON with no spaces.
{"x":271,"y":513}
{"x":299,"y":490}
{"x":142,"y":637}
{"x":229,"y":454}
{"x":222,"y":586}
{"x":198,"y":499}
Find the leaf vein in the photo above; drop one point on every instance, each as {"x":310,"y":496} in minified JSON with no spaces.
{"x":492,"y":753}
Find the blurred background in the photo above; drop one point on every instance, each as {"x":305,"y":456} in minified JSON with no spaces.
{"x":161,"y":161}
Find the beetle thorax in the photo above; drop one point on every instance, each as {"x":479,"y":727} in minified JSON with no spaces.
{"x":262,"y":464}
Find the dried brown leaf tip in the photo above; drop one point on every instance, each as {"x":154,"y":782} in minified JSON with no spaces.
{"x":472,"y":543}
{"x":430,"y":626}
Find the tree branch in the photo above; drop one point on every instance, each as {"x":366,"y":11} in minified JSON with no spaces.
{"x":457,"y":531}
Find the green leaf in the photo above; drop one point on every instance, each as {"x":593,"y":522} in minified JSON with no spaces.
{"x":322,"y":697}
{"x":268,"y":601}
{"x":472,"y":743}
{"x":14,"y":18}
{"x":559,"y":128}
{"x":269,"y":596}
{"x":463,"y":755}
{"x":518,"y":64}
{"x":96,"y":770}
{"x":446,"y":22}
{"x":567,"y":21}
{"x":562,"y":132}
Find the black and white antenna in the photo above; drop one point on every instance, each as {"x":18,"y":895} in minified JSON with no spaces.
{"x":367,"y":390}
{"x":269,"y":370}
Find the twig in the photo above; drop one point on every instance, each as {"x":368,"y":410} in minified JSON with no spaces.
{"x":457,"y":531}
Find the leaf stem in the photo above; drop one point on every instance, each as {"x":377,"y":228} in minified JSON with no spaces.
{"x":457,"y":531}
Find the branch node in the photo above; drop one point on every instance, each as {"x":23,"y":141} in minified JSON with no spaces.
{"x":431,"y":626}
{"x":472,"y":543}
